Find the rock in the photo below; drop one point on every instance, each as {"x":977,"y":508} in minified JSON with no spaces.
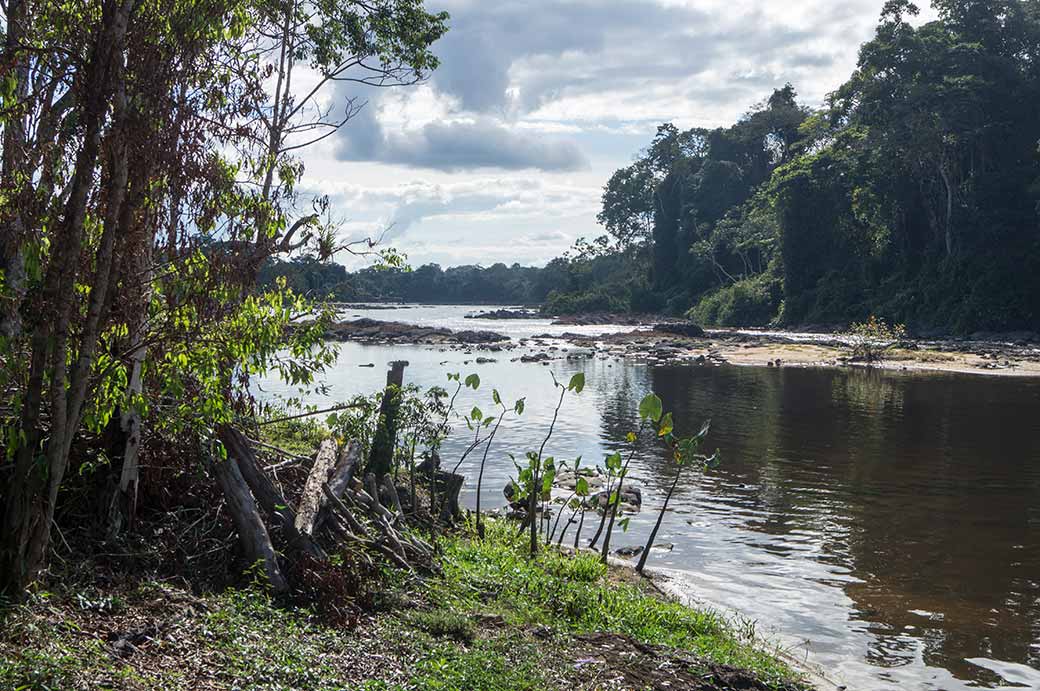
{"x":367,"y":330}
{"x":687,"y":329}
{"x":629,"y":551}
{"x":505,"y":314}
{"x":631,"y":499}
{"x":485,"y":360}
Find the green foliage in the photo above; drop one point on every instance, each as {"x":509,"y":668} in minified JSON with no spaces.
{"x":599,"y":300}
{"x":869,"y":340}
{"x":650,"y":407}
{"x":574,"y":594}
{"x":913,"y":192}
{"x":752,"y":301}
{"x":443,"y":624}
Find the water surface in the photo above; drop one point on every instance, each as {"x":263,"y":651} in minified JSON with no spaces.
{"x":889,"y":523}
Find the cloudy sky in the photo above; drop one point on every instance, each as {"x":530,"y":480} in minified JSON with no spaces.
{"x":503,"y":153}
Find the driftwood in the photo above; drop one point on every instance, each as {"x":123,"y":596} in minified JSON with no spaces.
{"x":311,"y":499}
{"x":266,"y":494}
{"x":335,"y":510}
{"x":252,"y":533}
{"x":390,"y":490}
{"x":340,"y":480}
{"x":451,"y":485}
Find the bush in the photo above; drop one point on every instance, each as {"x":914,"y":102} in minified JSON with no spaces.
{"x":752,"y":302}
{"x":598,"y":300}
{"x":869,"y":340}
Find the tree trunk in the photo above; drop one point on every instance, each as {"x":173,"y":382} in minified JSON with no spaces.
{"x":949,"y":208}
{"x":252,"y":533}
{"x":33,"y":491}
{"x":12,"y":254}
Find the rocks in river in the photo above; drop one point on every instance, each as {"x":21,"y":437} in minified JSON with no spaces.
{"x":374,"y":331}
{"x":485,"y":360}
{"x":536,"y":357}
{"x":629,"y":551}
{"x":506,"y":314}
{"x":685,"y":329}
{"x":631,"y":499}
{"x":567,"y":480}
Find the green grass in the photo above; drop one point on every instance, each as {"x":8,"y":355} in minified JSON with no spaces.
{"x":573,"y":594}
{"x":302,"y":436}
{"x":494,"y":621}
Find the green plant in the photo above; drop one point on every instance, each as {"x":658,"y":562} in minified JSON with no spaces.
{"x":535,"y":480}
{"x":443,"y":624}
{"x":518,"y":408}
{"x":869,"y":340}
{"x":684,"y":450}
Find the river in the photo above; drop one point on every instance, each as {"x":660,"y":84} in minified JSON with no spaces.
{"x":885,"y":526}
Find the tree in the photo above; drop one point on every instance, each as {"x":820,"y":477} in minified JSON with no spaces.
{"x":140,"y":203}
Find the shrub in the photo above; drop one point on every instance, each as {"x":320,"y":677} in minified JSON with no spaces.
{"x":752,"y":302}
{"x":869,"y":340}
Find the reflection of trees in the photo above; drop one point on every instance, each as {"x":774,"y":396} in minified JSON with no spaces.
{"x":926,"y":489}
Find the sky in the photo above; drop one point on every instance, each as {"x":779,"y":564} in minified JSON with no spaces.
{"x":502,"y":154}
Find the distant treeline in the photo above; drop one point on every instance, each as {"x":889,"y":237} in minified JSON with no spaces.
{"x":913,"y":194}
{"x":496,"y":284}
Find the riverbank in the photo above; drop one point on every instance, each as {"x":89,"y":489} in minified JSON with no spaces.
{"x":682,"y":342}
{"x":492,"y":620}
{"x":779,"y":349}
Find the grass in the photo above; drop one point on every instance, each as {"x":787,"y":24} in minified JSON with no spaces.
{"x":301,"y":436}
{"x":575,"y":594}
{"x":493,"y":621}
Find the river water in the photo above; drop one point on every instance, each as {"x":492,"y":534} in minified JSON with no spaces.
{"x":884,"y":526}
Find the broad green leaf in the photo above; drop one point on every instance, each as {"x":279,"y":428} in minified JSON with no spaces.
{"x":519,"y":407}
{"x":476,"y":414}
{"x":495,"y":397}
{"x":577,"y":383}
{"x":650,"y":408}
{"x":581,"y":487}
{"x":473,"y":381}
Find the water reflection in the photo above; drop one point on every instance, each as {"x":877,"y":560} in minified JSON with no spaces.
{"x":890,"y":522}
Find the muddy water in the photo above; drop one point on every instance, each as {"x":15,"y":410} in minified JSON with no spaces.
{"x":889,"y":523}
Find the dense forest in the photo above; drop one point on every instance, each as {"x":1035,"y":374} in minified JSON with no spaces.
{"x":913,"y":193}
{"x":496,"y":284}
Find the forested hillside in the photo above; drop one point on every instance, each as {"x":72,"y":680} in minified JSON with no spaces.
{"x":913,"y":194}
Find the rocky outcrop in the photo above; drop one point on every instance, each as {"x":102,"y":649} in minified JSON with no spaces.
{"x":375,"y":331}
{"x":506,"y":314}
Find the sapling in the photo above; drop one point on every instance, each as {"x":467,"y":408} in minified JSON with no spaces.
{"x":613,"y":465}
{"x":518,"y":408}
{"x":684,"y":451}
{"x":535,"y":481}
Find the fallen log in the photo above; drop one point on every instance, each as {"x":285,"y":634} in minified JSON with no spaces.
{"x":395,"y":499}
{"x":340,"y":480}
{"x":311,"y":499}
{"x":265,"y":492}
{"x":252,"y":533}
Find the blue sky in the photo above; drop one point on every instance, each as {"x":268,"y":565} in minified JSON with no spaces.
{"x":503,"y":153}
